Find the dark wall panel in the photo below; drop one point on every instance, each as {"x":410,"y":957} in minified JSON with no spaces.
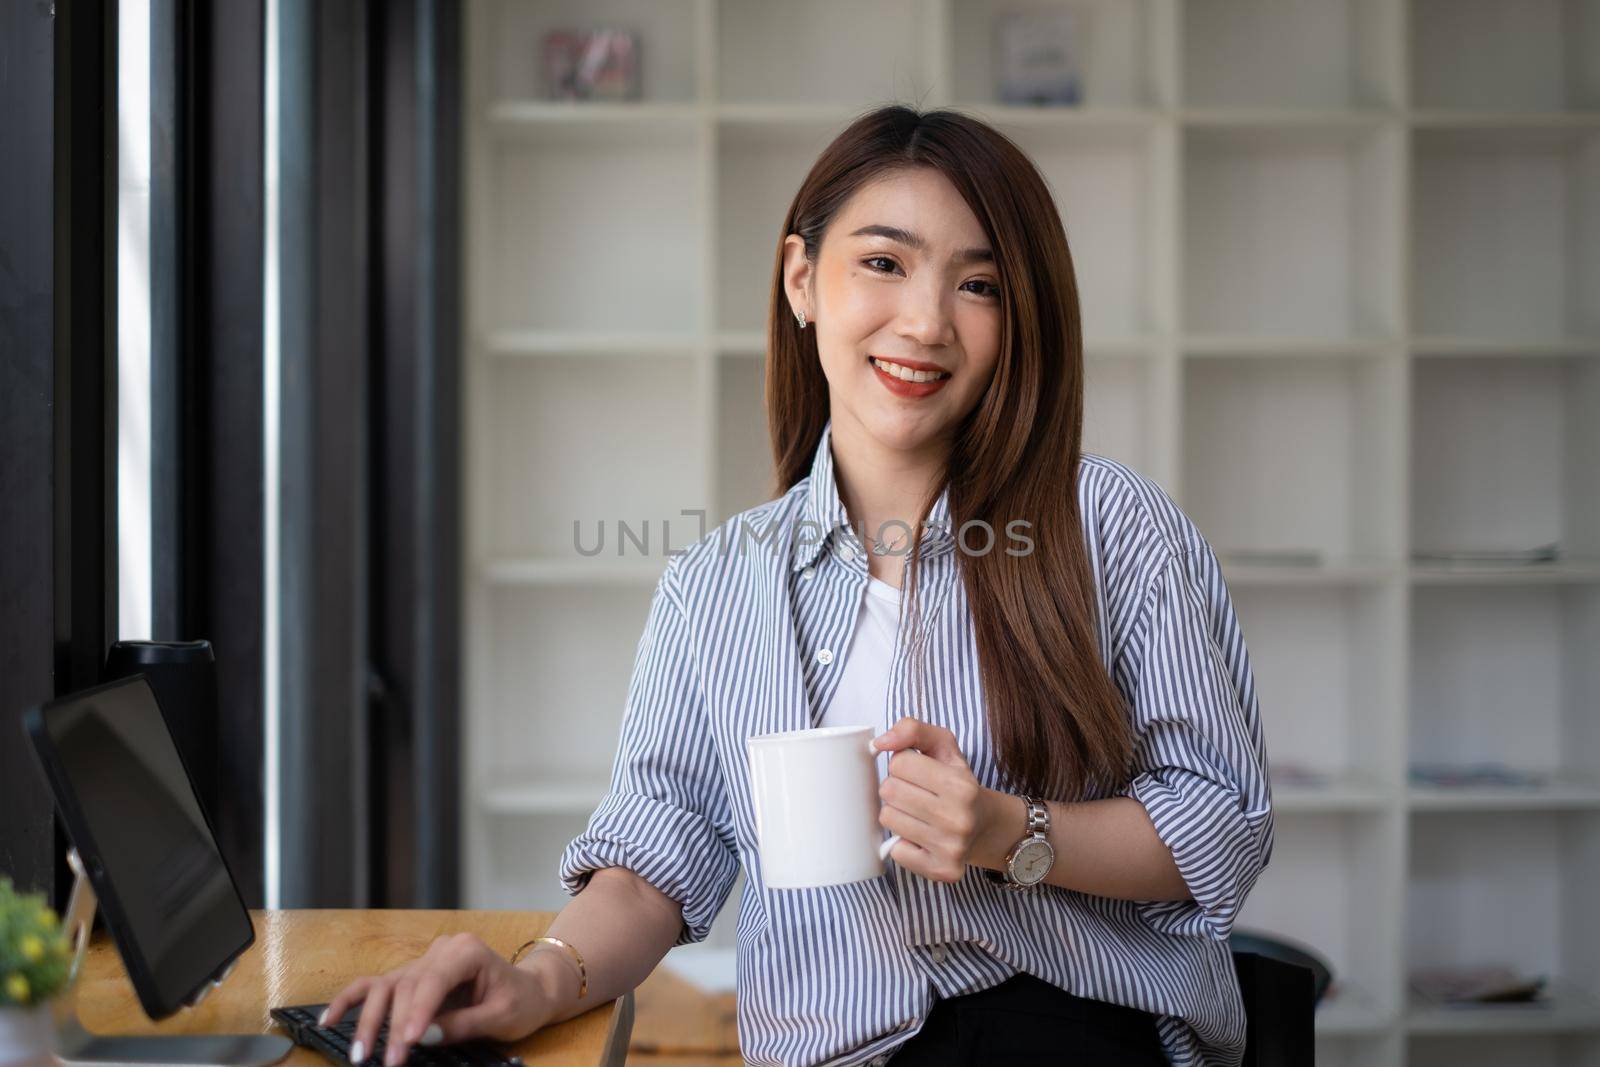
{"x":27,"y":435}
{"x":222,"y":584}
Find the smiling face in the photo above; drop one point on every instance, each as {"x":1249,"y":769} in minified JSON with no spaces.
{"x":886,"y":310}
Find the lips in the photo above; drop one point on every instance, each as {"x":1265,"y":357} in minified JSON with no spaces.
{"x":912,"y":390}
{"x":909,"y":370}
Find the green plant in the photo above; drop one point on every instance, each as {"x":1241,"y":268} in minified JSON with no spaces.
{"x":34,"y":954}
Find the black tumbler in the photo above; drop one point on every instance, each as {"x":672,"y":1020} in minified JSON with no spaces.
{"x":183,"y":676}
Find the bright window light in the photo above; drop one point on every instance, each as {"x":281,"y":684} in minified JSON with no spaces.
{"x":135,"y":580}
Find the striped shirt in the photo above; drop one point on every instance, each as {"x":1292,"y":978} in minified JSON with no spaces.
{"x":740,"y":641}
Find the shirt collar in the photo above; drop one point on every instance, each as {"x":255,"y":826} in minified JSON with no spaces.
{"x":825,"y":520}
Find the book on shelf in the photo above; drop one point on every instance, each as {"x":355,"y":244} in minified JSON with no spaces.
{"x":1477,"y":986}
{"x":1037,"y":58}
{"x":1467,"y":775}
{"x":601,"y":64}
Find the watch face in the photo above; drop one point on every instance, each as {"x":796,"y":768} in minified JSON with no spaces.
{"x":1033,"y":862}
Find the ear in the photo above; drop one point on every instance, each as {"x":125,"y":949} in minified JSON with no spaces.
{"x":797,"y":277}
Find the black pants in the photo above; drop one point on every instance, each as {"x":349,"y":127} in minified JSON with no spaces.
{"x":1025,"y":1021}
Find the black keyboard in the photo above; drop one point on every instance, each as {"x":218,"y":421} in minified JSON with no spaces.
{"x":334,"y":1041}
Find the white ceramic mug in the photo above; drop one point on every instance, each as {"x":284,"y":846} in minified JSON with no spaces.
{"x":815,"y":794}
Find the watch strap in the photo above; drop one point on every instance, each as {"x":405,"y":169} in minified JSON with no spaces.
{"x":1038,"y":818}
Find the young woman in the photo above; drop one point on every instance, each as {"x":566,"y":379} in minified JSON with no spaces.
{"x":1078,"y":769}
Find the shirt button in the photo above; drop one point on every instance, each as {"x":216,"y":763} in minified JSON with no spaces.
{"x":939,"y":954}
{"x":809,"y":573}
{"x":824,"y":656}
{"x":847,"y":553}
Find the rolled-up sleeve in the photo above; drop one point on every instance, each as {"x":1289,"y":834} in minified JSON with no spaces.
{"x":1200,"y":763}
{"x":666,"y":816}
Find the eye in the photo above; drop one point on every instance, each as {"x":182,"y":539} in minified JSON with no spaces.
{"x":993,"y":290}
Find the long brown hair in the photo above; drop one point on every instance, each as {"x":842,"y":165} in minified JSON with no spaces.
{"x":1057,"y":720}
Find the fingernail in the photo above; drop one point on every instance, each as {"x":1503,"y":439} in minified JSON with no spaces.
{"x":392,"y":1057}
{"x":432,"y":1035}
{"x":358,"y":1052}
{"x":322,"y":1020}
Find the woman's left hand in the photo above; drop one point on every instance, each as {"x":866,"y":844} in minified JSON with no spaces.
{"x":931,"y":799}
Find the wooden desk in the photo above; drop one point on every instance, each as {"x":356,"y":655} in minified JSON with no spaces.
{"x":305,"y":957}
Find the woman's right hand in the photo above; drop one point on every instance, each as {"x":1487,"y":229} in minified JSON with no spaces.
{"x":458,"y":990}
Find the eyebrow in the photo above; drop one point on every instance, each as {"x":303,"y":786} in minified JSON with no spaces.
{"x":912,"y":240}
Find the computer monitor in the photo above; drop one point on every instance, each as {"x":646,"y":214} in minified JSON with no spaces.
{"x":148,"y":851}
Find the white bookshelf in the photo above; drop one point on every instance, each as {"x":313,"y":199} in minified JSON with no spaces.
{"x":1340,"y":271}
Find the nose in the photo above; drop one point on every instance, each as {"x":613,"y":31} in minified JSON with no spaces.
{"x":924,"y":313}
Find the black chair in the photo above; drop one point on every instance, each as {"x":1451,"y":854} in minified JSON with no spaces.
{"x":1280,"y":1003}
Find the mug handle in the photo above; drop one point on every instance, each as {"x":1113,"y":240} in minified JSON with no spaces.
{"x":894,"y":839}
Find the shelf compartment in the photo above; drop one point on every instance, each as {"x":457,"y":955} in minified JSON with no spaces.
{"x":1350,"y":1014}
{"x":1293,"y":232}
{"x":1512,"y":888}
{"x":1119,"y":399}
{"x":1120,"y":59}
{"x":760,"y":166}
{"x":1506,"y":233}
{"x":1107,"y":185}
{"x":825,"y":51}
{"x":1327,"y":674}
{"x":1503,"y":455}
{"x":1286,"y":455}
{"x":1461,"y":1044}
{"x":744,"y":469}
{"x":1345,"y":793}
{"x":665,"y":28}
{"x":1304,"y":54}
{"x":1318,"y":889}
{"x":1366,"y":1048}
{"x":579,"y":244}
{"x":1508,"y":675}
{"x":1505,"y":55}
{"x":559,"y":678}
{"x":554,"y":422}
{"x":520,"y":866}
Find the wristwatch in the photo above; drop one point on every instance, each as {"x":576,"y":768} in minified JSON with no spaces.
{"x":1031,"y":858}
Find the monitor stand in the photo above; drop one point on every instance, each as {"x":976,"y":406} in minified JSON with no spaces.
{"x":77,"y":1047}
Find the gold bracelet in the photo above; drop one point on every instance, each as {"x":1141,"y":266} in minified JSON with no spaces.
{"x":583,"y":972}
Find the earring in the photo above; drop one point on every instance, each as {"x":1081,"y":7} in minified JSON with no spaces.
{"x":800,"y":317}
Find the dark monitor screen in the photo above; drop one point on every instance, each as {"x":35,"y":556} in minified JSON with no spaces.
{"x":131,"y":810}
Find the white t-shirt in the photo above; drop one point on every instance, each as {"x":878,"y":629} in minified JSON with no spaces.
{"x":864,"y":686}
